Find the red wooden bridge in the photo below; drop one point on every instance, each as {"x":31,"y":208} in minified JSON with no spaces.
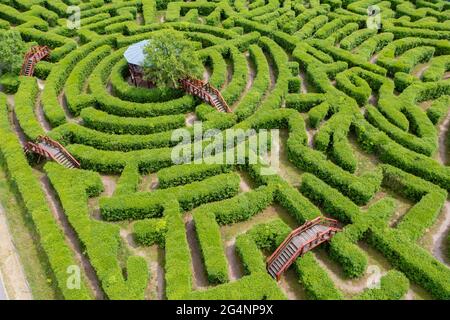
{"x":52,"y":150}
{"x":300,"y":241}
{"x":32,"y":57}
{"x":206,"y":92}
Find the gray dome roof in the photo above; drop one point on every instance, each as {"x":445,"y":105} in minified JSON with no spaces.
{"x":135,"y":53}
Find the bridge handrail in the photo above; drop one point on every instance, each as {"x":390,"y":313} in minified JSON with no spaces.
{"x":60,"y":147}
{"x":324,"y":220}
{"x":215,"y":91}
{"x":31,"y":55}
{"x":299,"y":251}
{"x":294,"y":233}
{"x":38,"y":149}
{"x":208,"y":88}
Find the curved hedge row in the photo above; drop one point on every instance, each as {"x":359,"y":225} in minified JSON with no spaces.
{"x":51,"y":238}
{"x":100,"y":240}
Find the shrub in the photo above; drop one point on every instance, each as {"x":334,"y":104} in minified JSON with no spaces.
{"x":25,"y":101}
{"x":148,"y":205}
{"x":188,"y":173}
{"x":316,"y":281}
{"x":210,"y":241}
{"x":393,"y":286}
{"x":76,"y":100}
{"x":9,"y":83}
{"x":100,"y":240}
{"x":51,"y":238}
{"x":150,"y":231}
{"x":102,"y":121}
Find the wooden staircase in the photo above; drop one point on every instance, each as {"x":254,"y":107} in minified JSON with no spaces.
{"x":52,"y":150}
{"x":32,"y":57}
{"x":300,"y":241}
{"x":206,"y":92}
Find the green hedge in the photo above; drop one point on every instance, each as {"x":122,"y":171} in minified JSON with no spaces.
{"x":188,"y":173}
{"x":25,"y":101}
{"x":315,"y":280}
{"x":57,"y":78}
{"x":100,"y":240}
{"x":102,"y":121}
{"x":259,"y":286}
{"x":77,"y":100}
{"x":261,"y":83}
{"x":148,"y":205}
{"x":10,"y":83}
{"x":178,"y":272}
{"x":417,"y":264}
{"x":393,"y":286}
{"x":150,"y":231}
{"x":123,"y":90}
{"x":210,"y":241}
{"x":51,"y":239}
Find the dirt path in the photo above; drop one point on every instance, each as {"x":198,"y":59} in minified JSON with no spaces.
{"x":156,"y":287}
{"x":443,"y":133}
{"x":251,"y":79}
{"x":39,"y":111}
{"x":420,"y":69}
{"x":207,"y":73}
{"x":303,"y":82}
{"x":63,"y":103}
{"x":230,"y":72}
{"x":15,"y":123}
{"x":377,"y":267}
{"x":374,"y":58}
{"x":245,"y":184}
{"x":440,"y":243}
{"x":291,"y":287}
{"x":70,"y":235}
{"x":272,"y":73}
{"x":235,"y":269}
{"x":41,"y":84}
{"x":190,"y":119}
{"x":109,"y":182}
{"x":435,"y":240}
{"x":13,"y":283}
{"x":311,"y":133}
{"x":198,"y":268}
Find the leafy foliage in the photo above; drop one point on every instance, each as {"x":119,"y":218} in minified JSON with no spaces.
{"x":170,"y":57}
{"x":12,"y":49}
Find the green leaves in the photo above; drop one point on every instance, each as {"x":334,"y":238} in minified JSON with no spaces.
{"x":12,"y":50}
{"x":169,"y":58}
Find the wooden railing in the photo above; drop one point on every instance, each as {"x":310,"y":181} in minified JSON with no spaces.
{"x":47,"y":140}
{"x":33,"y":56}
{"x":36,"y":148}
{"x":317,"y":240}
{"x":207,"y":90}
{"x":293,"y":234}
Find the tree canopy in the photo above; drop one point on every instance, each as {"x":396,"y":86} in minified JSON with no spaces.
{"x":12,"y":49}
{"x":170,"y":57}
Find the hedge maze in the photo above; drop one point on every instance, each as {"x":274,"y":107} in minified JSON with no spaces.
{"x":363,"y":115}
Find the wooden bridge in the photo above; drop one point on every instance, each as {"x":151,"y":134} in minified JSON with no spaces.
{"x":32,"y":57}
{"x":206,"y":92}
{"x":52,"y":150}
{"x":300,"y":241}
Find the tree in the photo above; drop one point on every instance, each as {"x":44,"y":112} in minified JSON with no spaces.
{"x":170,"y":57}
{"x":12,"y":50}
